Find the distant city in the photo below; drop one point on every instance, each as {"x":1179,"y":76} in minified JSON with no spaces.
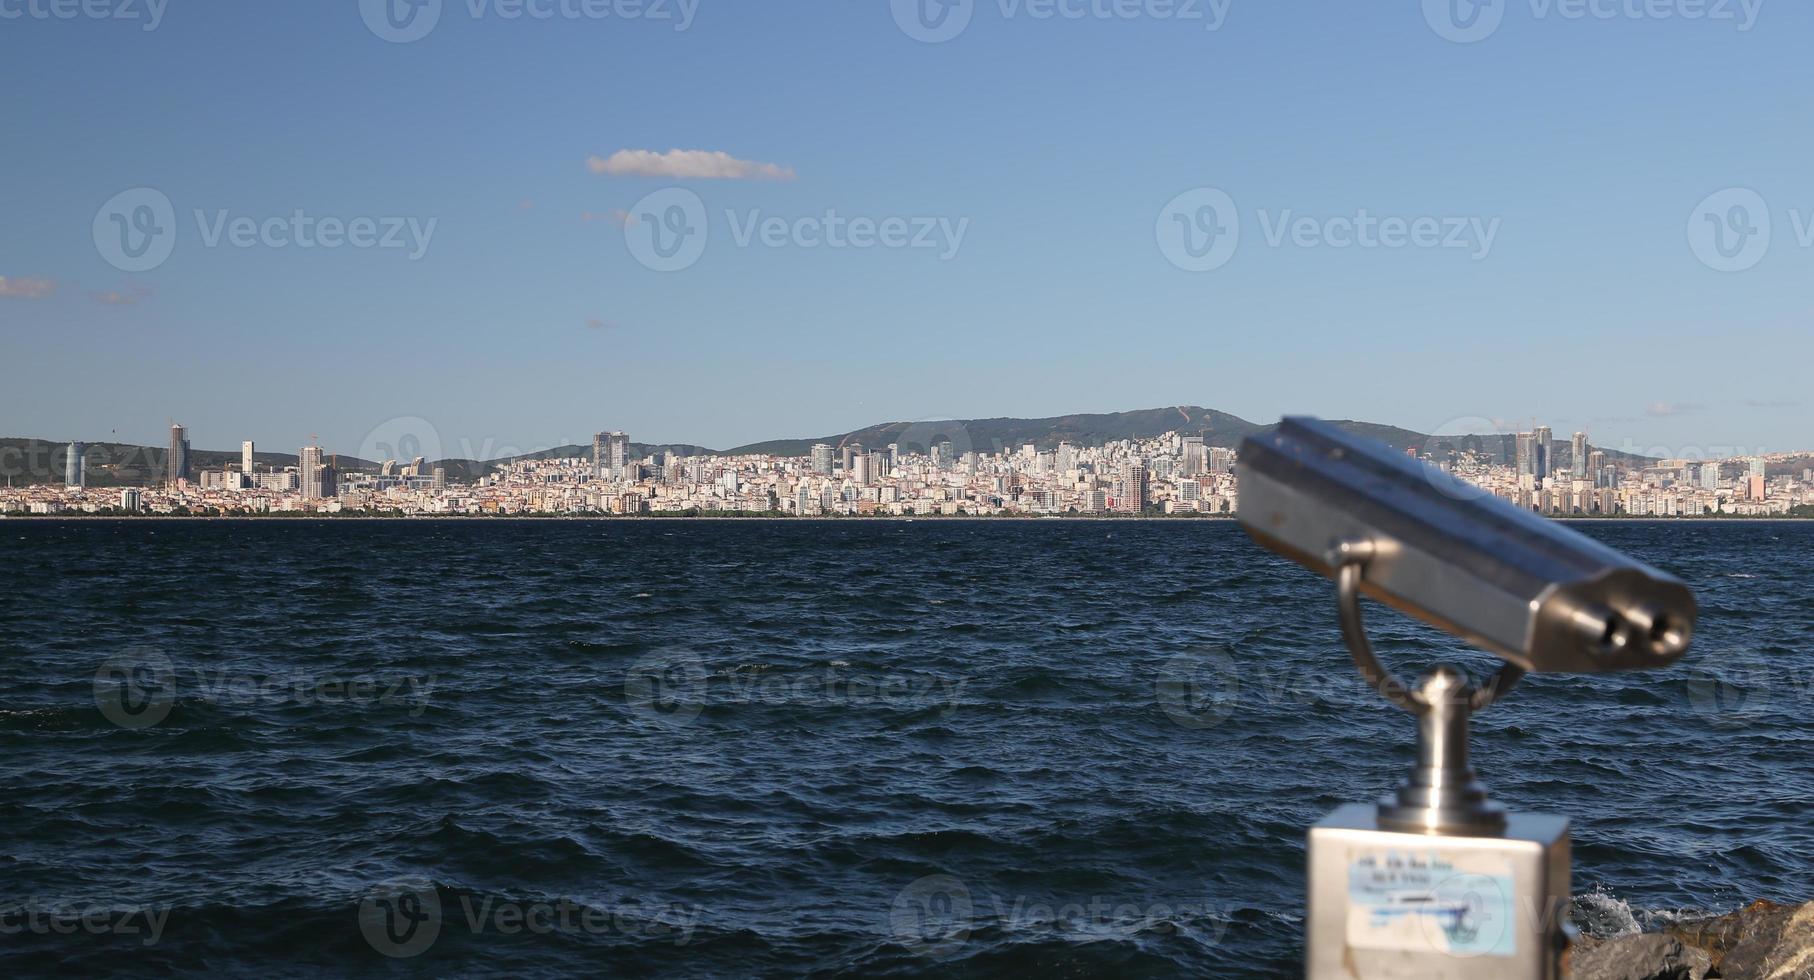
{"x":1173,"y":474}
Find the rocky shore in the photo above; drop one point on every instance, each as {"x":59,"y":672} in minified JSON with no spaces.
{"x":1762,"y":941}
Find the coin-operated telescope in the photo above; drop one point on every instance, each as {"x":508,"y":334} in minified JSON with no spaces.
{"x":1438,"y":880}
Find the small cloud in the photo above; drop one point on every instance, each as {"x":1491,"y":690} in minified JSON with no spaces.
{"x":25,"y":287}
{"x":596,"y":324}
{"x":617,"y":216}
{"x":1663,"y":410}
{"x":686,"y":164}
{"x":1771,"y":403}
{"x":525,"y":204}
{"x":132,"y":296}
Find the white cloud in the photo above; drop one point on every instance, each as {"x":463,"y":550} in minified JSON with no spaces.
{"x":24,"y":287}
{"x":686,"y":164}
{"x":1663,"y":410}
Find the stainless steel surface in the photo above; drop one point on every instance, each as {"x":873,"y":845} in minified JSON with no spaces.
{"x":1442,"y":795}
{"x":1387,"y":905}
{"x":1534,"y":592}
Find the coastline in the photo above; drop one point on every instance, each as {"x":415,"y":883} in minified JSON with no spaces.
{"x":929,"y":518}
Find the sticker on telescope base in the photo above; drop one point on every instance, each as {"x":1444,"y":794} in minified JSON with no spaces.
{"x":1457,"y":904}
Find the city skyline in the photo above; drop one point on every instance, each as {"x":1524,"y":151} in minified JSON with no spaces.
{"x":941,"y":474}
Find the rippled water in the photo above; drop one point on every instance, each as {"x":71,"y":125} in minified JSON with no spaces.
{"x":781,"y":748}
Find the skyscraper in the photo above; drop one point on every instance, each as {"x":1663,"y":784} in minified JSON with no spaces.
{"x":598,"y":456}
{"x":176,"y":461}
{"x":72,"y":464}
{"x":617,"y":450}
{"x":1133,"y":488}
{"x":1193,"y":455}
{"x":245,"y":457}
{"x":1526,"y":455}
{"x":310,"y":472}
{"x":822,"y":458}
{"x":1543,"y":444}
{"x":1578,"y":455}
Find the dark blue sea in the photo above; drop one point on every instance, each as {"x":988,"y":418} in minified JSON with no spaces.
{"x":769,"y":748}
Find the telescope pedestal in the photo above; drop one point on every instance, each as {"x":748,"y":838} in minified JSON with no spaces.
{"x":1417,"y":906}
{"x":1437,"y":881}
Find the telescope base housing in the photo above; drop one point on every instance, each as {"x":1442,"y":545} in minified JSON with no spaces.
{"x":1390,"y":905}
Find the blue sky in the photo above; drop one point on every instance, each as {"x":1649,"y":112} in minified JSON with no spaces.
{"x":1592,"y":147}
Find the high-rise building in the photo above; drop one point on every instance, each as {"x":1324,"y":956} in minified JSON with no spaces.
{"x":1134,"y":488}
{"x":851,"y":451}
{"x":822,"y":458}
{"x":598,"y":456}
{"x":1756,"y":466}
{"x":245,"y":456}
{"x":1525,"y":461}
{"x":1194,"y":459}
{"x":1710,"y":476}
{"x":1067,"y":457}
{"x":1543,"y":445}
{"x":129,"y":499}
{"x":176,"y":461}
{"x":1578,"y":455}
{"x":617,"y":450}
{"x":72,"y":464}
{"x":860,"y":469}
{"x":310,"y":472}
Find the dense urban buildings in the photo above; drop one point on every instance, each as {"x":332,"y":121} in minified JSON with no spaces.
{"x":1170,"y":474}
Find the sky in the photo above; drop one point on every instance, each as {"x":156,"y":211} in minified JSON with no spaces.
{"x":721,"y":221}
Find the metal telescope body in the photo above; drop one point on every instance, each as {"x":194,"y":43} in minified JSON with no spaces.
{"x":1438,"y":881}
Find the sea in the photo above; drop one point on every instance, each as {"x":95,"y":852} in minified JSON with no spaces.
{"x":934,"y":748}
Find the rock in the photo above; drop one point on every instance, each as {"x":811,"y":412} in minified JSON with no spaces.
{"x":1641,"y":957}
{"x":1762,"y":941}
